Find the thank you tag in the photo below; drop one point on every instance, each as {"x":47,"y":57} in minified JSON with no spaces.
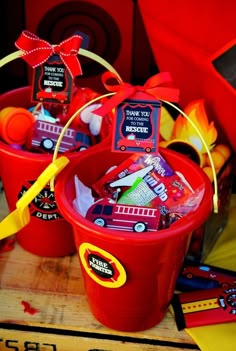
{"x":136,"y":126}
{"x":52,"y":82}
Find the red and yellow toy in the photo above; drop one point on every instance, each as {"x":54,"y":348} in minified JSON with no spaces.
{"x":182,"y":136}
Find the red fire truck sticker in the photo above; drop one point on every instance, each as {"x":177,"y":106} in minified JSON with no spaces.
{"x":46,"y":134}
{"x":107,"y":213}
{"x":43,"y":205}
{"x":101,"y":266}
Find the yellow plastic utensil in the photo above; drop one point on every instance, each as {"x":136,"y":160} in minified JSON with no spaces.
{"x":20,"y":217}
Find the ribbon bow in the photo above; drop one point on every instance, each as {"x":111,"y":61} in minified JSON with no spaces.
{"x":125,"y":90}
{"x":36,"y":51}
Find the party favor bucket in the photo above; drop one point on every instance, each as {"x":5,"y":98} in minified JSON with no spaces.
{"x":129,"y":277}
{"x":47,"y":234}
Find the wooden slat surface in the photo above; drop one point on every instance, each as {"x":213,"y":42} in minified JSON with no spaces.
{"x":3,"y":205}
{"x":54,"y":287}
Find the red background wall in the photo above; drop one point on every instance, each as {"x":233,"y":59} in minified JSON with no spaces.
{"x":115,"y":29}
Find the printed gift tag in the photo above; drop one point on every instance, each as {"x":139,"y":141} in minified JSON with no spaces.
{"x":136,"y":126}
{"x":52,"y":82}
{"x":55,"y":66}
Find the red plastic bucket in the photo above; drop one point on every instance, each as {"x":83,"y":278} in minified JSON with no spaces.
{"x":129,"y":278}
{"x":48,"y":233}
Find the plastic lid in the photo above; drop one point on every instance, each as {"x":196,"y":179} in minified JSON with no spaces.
{"x":15,"y":125}
{"x":3,"y":112}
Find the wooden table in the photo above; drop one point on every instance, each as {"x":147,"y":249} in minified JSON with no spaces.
{"x":62,"y":319}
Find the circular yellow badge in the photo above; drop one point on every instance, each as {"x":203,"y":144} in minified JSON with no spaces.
{"x":101,"y":266}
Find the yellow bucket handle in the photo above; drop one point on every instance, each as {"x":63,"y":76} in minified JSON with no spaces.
{"x":215,"y":195}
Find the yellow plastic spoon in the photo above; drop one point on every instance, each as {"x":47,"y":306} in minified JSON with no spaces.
{"x":20,"y":217}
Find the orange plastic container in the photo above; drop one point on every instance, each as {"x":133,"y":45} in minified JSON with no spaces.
{"x":129,"y":278}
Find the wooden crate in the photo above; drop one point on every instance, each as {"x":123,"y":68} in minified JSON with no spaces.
{"x":3,"y":204}
{"x":63,"y":321}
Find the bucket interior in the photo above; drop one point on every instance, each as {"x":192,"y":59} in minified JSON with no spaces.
{"x":92,"y":166}
{"x":16,"y":98}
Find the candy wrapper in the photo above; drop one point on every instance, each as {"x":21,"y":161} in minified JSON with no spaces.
{"x":145,"y":180}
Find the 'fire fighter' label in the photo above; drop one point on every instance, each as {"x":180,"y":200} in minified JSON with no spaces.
{"x":101,"y":266}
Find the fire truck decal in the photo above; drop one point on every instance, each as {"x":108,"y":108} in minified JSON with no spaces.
{"x":203,"y":276}
{"x":106,"y":213}
{"x":133,"y":142}
{"x":46,"y":135}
